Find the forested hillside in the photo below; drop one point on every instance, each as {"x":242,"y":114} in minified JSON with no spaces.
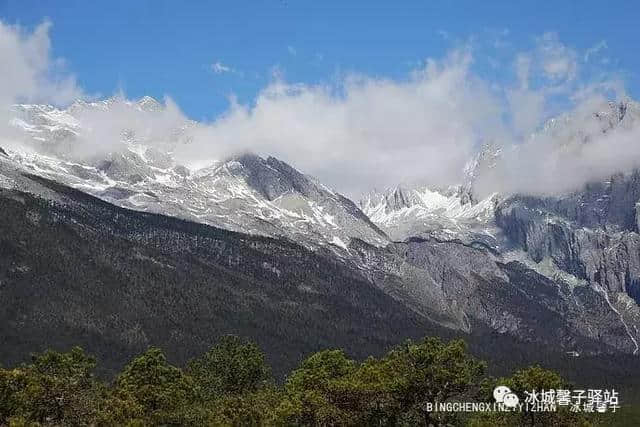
{"x":231,"y":384}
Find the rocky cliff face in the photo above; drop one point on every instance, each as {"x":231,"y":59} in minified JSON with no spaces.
{"x":594,"y":240}
{"x":591,"y":233}
{"x":467,"y":288}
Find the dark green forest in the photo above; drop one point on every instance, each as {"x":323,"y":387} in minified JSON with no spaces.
{"x":231,"y":384}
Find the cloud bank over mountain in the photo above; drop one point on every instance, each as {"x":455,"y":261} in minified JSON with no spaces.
{"x":30,"y":73}
{"x":364,"y":131}
{"x":360,"y":132}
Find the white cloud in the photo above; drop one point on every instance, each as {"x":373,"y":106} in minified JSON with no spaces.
{"x":558,"y":61}
{"x":578,"y":147}
{"x":573,"y":150}
{"x":28,"y":71}
{"x":444,"y":34}
{"x":523,"y":68}
{"x":219,"y":68}
{"x":527,"y":109}
{"x":364,"y":132}
{"x":595,"y":49}
{"x":102,"y":128}
{"x":547,"y":71}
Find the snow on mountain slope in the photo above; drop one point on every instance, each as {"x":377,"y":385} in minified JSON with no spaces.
{"x":266,"y":196}
{"x":446,"y":215}
{"x":247,"y":193}
{"x":463,"y":212}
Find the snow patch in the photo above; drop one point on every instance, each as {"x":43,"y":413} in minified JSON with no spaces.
{"x":339,"y":242}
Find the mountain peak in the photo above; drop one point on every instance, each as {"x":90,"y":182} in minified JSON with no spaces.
{"x":149,"y":104}
{"x":272,"y":177}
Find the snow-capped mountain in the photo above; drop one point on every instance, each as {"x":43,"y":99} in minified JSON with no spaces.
{"x":500,"y":262}
{"x":459,"y":212}
{"x":582,"y":125}
{"x":451,"y":214}
{"x":246,"y":193}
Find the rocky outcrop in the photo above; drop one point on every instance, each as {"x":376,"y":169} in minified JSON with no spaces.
{"x":468,"y":288}
{"x":591,"y":235}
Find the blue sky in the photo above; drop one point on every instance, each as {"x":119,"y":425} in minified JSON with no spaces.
{"x":170,"y":48}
